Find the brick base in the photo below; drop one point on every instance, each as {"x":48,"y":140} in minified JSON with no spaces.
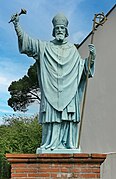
{"x":51,"y":166}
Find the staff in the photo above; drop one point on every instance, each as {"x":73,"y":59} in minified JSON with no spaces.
{"x":99,"y":19}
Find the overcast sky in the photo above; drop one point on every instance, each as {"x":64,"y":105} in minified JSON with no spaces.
{"x":37,"y":23}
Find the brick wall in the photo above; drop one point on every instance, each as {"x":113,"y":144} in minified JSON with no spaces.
{"x":51,"y":166}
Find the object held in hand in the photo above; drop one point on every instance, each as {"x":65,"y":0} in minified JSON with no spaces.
{"x":23,"y":11}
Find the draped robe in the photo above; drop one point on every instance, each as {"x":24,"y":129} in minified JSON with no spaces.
{"x":62,"y":75}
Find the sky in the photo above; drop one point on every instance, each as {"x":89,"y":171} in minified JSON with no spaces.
{"x":37,"y":23}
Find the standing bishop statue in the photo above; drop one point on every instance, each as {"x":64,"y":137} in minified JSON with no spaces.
{"x":62,"y":75}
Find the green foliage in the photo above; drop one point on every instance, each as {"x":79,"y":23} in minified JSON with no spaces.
{"x":17,"y":135}
{"x":24,"y":91}
{"x":5,"y":171}
{"x":20,"y":135}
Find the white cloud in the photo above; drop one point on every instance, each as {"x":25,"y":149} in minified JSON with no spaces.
{"x":10,"y":71}
{"x":6,"y":111}
{"x":4,"y":83}
{"x":3,"y":80}
{"x":11,"y":66}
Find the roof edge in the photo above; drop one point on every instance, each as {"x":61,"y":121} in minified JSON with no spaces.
{"x":78,"y":45}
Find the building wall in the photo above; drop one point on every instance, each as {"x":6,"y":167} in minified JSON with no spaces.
{"x":99,"y":125}
{"x":108,"y":168}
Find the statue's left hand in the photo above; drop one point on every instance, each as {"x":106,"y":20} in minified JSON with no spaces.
{"x":92,"y":49}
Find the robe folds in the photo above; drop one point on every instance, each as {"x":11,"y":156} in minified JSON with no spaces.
{"x":62,"y":75}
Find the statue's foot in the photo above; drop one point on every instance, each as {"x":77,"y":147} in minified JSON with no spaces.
{"x":43,"y":146}
{"x":48,"y":146}
{"x":71,"y":147}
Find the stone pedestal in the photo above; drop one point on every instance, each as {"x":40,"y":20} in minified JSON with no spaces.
{"x":51,"y":166}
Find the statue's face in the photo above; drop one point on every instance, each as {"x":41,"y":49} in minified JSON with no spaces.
{"x":60,"y":32}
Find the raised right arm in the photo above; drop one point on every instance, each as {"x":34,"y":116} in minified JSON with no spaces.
{"x":27,"y":45}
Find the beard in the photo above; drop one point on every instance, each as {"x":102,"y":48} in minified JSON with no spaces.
{"x":60,"y":37}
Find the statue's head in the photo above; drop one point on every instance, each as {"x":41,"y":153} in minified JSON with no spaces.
{"x":60,"y":24}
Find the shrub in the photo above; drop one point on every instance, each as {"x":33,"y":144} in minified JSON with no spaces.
{"x":18,"y":135}
{"x":5,"y":170}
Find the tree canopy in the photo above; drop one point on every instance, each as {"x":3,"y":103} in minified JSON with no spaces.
{"x":25,"y":91}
